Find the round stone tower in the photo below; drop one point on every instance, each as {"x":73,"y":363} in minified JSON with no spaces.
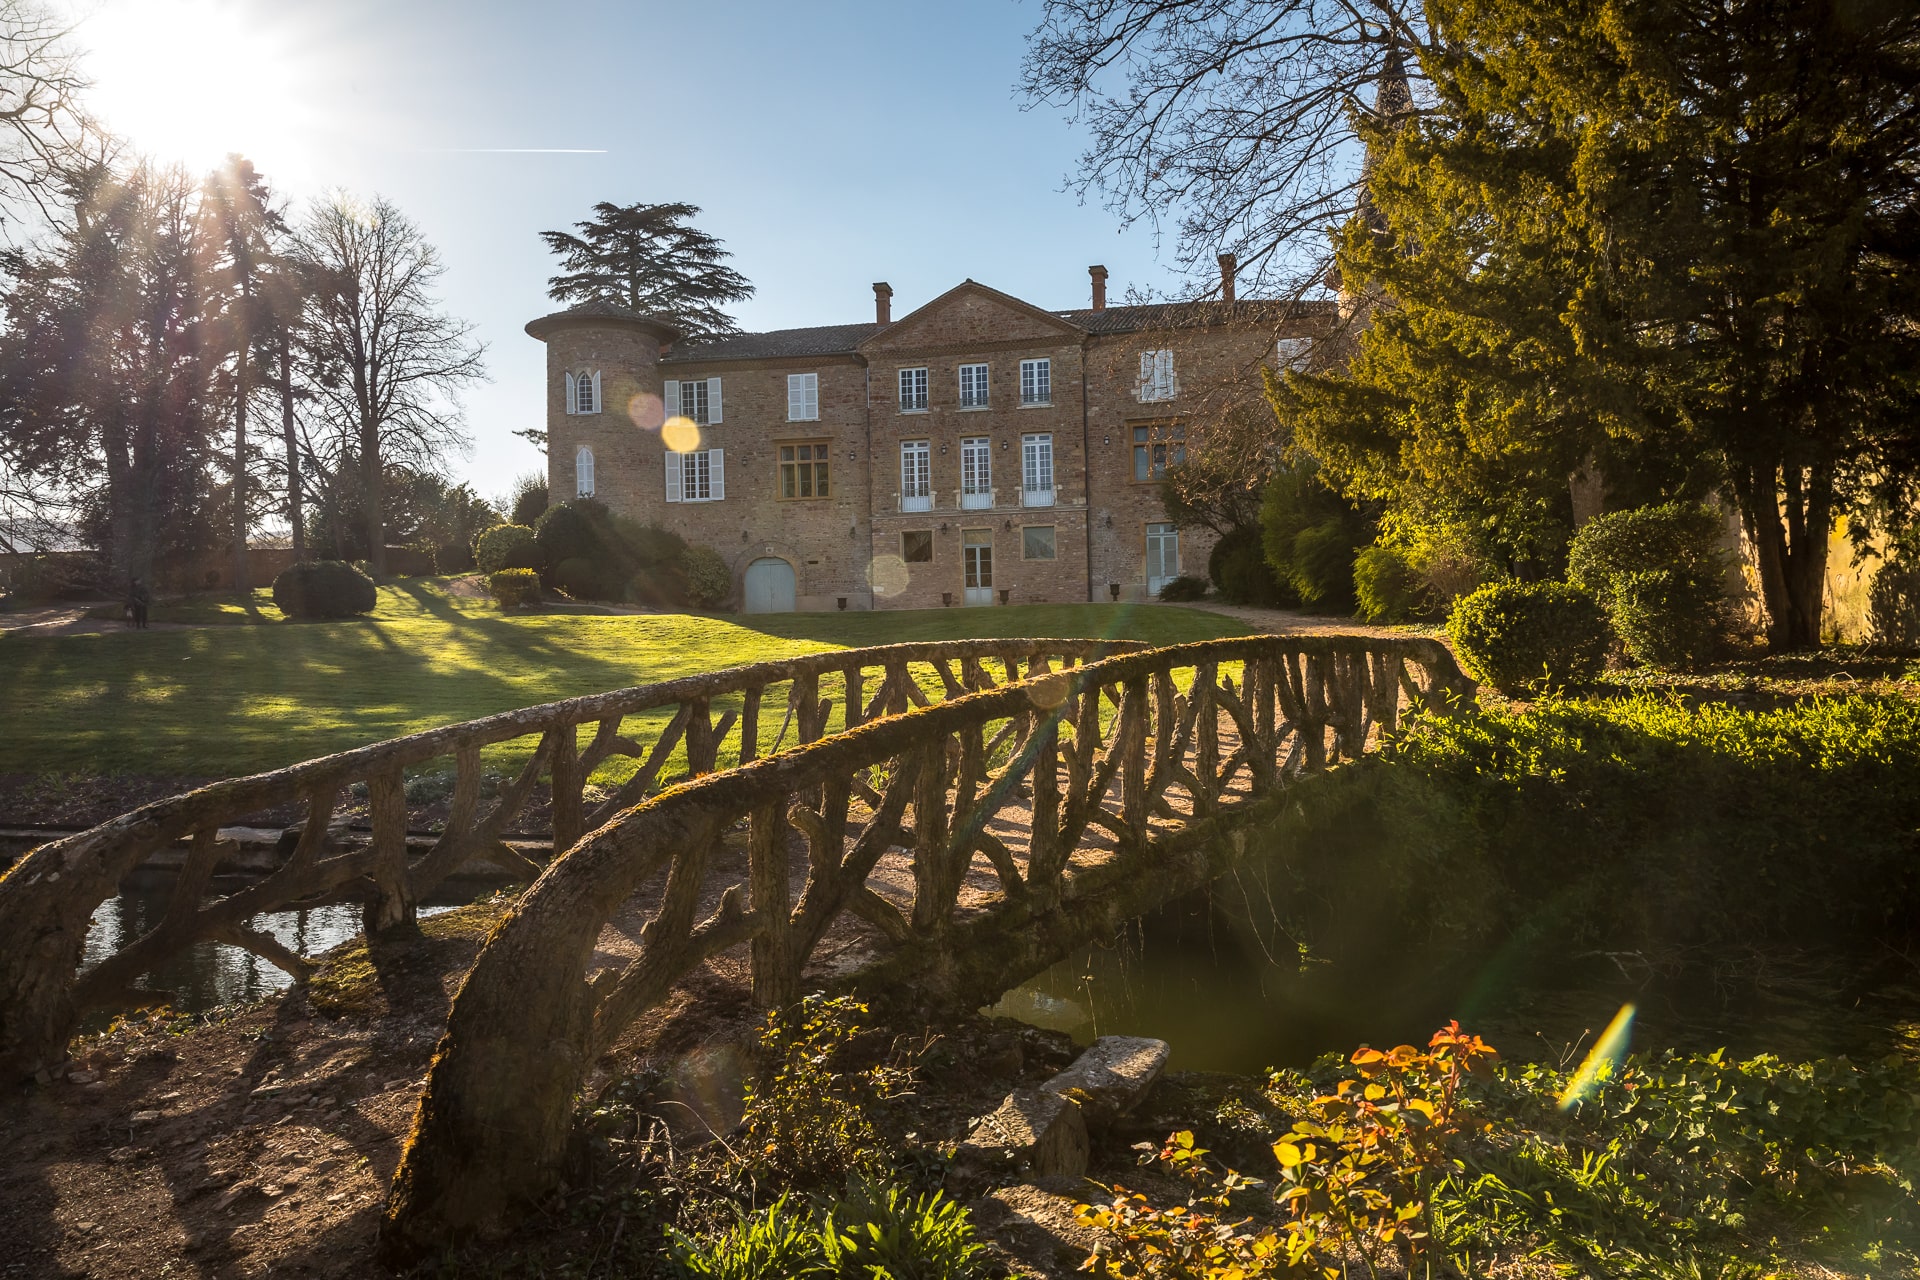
{"x":603,"y":404}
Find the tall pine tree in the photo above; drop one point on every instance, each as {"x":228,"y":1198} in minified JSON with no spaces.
{"x":648,"y":257}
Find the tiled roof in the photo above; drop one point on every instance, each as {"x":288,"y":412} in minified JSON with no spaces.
{"x":598,"y":311}
{"x":1187,"y":315}
{"x":820,"y":340}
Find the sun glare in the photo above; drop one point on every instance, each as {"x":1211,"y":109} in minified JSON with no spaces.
{"x":192,"y":80}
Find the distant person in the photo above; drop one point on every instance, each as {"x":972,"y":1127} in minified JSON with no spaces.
{"x":137,"y":601}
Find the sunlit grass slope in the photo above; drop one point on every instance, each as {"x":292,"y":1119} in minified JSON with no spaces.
{"x":224,"y":700}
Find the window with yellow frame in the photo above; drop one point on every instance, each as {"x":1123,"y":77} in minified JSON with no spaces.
{"x":803,"y":470}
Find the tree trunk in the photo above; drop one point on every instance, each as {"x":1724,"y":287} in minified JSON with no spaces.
{"x":241,"y":579}
{"x":1788,"y":512}
{"x":295,"y":515}
{"x":376,"y":517}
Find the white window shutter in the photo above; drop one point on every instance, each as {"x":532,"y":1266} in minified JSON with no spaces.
{"x":673,"y":476}
{"x":569,"y":389}
{"x":670,"y":398}
{"x":717,"y":471}
{"x":1163,"y":370}
{"x":713,"y":400}
{"x":794,"y":397}
{"x":598,"y":403}
{"x":1145,"y":390}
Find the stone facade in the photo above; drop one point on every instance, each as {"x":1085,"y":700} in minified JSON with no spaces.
{"x":1039,"y":435}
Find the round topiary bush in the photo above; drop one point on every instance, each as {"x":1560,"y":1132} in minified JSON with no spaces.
{"x":506,"y":546}
{"x":1238,"y":566}
{"x":1529,"y":637}
{"x":1387,"y":585}
{"x":1660,"y":573}
{"x":709,"y":580}
{"x":323,"y":589}
{"x":1183,"y":588}
{"x":513,"y":587}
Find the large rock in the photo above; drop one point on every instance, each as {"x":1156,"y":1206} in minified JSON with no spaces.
{"x":1112,"y":1076}
{"x":1035,"y":1130}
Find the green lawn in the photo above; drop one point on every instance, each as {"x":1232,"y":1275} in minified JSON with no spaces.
{"x":231,"y":699}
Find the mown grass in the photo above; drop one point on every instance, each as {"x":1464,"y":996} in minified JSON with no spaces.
{"x":223,"y":700}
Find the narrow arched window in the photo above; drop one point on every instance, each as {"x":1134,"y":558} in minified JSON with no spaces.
{"x":583,"y":472}
{"x":586,"y":387}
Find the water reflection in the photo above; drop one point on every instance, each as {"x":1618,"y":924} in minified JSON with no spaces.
{"x":1218,"y":980}
{"x":212,"y":973}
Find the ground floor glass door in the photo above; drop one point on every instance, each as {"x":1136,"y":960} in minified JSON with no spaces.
{"x":1163,"y":556}
{"x":976,"y":557}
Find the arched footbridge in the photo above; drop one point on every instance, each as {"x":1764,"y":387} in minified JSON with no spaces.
{"x":979,"y":809}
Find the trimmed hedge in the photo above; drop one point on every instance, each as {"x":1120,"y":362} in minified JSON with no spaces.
{"x":1238,"y":566}
{"x":1183,"y":588}
{"x":586,"y":579}
{"x":323,"y":589}
{"x":506,"y":546}
{"x":512,"y":587}
{"x":1530,"y":637}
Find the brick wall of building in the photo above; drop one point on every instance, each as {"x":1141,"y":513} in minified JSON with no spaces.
{"x":849,"y":545}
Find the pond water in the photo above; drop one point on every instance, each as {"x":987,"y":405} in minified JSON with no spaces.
{"x":212,"y":973}
{"x":1216,"y":976}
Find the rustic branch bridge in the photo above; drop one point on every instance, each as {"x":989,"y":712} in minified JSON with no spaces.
{"x":969,"y":825}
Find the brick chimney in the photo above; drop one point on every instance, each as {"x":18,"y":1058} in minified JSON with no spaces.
{"x":1227,"y":267}
{"x":1099,"y":275}
{"x":882,"y":302}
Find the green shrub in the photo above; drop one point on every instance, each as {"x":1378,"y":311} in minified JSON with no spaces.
{"x":572,"y":531}
{"x":1529,"y":637}
{"x":1619,"y":825}
{"x":323,"y":589}
{"x":1310,"y":535}
{"x":1183,"y":588}
{"x":1322,"y":566}
{"x":650,"y":545}
{"x":1893,"y":601}
{"x":1387,"y":585}
{"x":513,"y":587}
{"x":529,"y":499}
{"x":709,"y":580}
{"x":456,"y":558}
{"x":585,"y":579}
{"x":878,"y":1230}
{"x":506,"y":546}
{"x":1238,"y":566}
{"x":1660,"y":574}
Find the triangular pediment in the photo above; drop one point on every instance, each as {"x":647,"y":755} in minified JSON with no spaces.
{"x":971,"y":314}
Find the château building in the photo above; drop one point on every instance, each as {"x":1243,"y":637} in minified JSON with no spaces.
{"x":978,"y":450}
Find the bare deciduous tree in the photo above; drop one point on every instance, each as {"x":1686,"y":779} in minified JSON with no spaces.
{"x":43,"y":128}
{"x":385,"y":362}
{"x":1231,"y":119}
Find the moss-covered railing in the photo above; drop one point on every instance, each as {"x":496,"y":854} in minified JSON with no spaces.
{"x":48,"y":897}
{"x":1023,"y":796}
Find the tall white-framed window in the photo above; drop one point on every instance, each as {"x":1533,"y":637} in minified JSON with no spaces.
{"x":1292,"y":353}
{"x":916,"y":475}
{"x":803,"y":397}
{"x":1036,"y":471}
{"x":976,"y":473}
{"x":973,"y":386}
{"x":1157,"y":381}
{"x":699,"y":475}
{"x":582,"y":391}
{"x":583,"y":472}
{"x":697,"y":399}
{"x":913,"y":390}
{"x":1036,"y":382}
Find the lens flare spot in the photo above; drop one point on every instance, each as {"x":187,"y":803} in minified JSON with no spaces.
{"x":888,"y":575}
{"x":1608,"y":1052}
{"x":648,"y":411}
{"x":682,"y":435}
{"x":1048,"y":692}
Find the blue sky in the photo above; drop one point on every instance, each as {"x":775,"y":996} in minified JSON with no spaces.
{"x":829,"y":145}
